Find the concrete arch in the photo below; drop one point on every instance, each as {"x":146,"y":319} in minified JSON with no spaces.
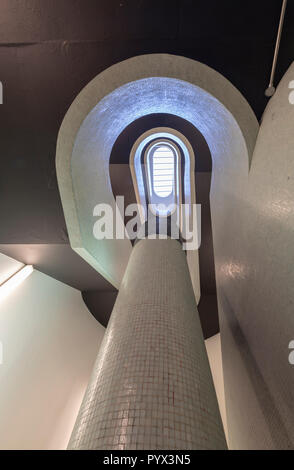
{"x":111,"y":101}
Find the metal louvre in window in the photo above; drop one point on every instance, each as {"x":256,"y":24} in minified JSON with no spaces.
{"x":163,"y":170}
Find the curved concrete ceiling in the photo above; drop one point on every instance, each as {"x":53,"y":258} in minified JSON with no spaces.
{"x":116,"y":97}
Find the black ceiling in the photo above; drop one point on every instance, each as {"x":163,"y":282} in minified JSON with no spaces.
{"x":50,"y":49}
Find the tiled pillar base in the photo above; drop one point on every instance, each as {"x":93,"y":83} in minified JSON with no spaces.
{"x":151,"y":387}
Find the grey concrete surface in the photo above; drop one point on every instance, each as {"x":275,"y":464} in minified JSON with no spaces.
{"x":253,"y":238}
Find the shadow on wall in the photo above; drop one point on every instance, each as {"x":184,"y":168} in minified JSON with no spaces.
{"x":244,"y":374}
{"x":100,"y":304}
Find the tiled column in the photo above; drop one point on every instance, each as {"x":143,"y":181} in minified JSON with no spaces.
{"x":151,"y":387}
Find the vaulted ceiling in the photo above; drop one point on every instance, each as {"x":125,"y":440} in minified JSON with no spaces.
{"x":50,"y":50}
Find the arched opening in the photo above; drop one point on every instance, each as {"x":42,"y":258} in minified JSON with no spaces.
{"x":162,"y":172}
{"x":89,"y":130}
{"x":122,"y":184}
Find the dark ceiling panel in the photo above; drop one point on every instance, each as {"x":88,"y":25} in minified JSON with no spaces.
{"x":100,"y":304}
{"x":39,"y":20}
{"x":59,"y":262}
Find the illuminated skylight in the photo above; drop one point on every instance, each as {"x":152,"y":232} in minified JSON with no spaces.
{"x":163,"y":170}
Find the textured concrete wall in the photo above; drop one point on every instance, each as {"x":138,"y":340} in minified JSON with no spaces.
{"x":253,"y":226}
{"x":151,"y":387}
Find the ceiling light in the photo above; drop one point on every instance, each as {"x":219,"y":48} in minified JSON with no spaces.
{"x":15,"y":280}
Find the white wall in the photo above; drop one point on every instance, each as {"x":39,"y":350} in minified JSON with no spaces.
{"x":8,"y":267}
{"x":50,"y":342}
{"x":254,"y":256}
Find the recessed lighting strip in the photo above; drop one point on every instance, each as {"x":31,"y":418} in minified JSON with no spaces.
{"x":15,"y":280}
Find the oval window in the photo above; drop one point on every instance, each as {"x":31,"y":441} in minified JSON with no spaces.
{"x":163,"y":170}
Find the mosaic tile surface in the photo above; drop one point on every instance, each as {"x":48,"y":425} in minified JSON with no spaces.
{"x":151,"y":387}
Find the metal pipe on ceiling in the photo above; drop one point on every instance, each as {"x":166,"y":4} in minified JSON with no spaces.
{"x":271,"y":89}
